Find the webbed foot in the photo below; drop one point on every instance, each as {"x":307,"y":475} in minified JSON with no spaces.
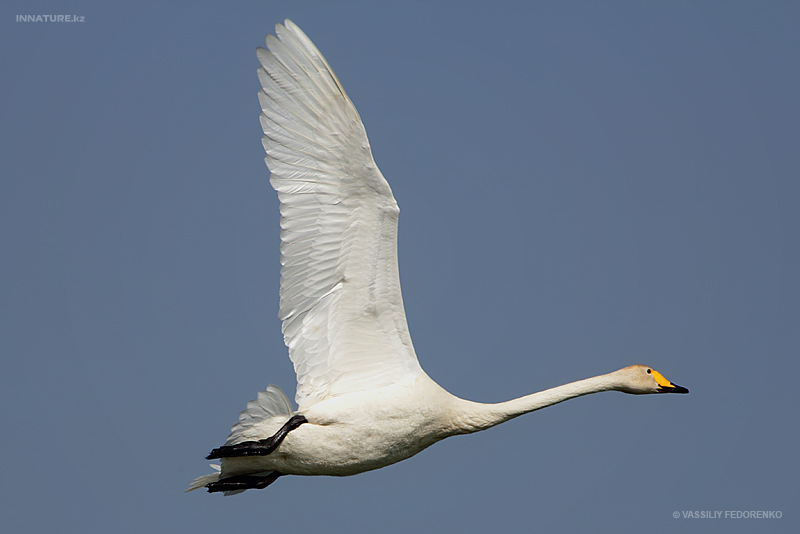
{"x":261,"y":447}
{"x":243,"y":482}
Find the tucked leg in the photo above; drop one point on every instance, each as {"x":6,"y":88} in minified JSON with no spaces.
{"x":261,"y":447}
{"x":243,"y":482}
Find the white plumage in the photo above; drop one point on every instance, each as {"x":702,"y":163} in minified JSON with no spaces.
{"x":342,"y":312}
{"x":360,"y":387}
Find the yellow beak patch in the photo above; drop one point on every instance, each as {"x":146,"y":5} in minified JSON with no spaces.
{"x":660,"y":380}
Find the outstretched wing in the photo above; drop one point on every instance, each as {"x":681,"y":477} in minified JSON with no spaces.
{"x":341,"y":307}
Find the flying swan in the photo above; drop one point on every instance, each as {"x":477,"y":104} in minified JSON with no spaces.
{"x":363,"y":400}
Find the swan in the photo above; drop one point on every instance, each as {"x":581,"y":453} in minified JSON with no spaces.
{"x":363,"y":400}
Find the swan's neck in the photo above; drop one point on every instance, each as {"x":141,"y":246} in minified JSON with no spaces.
{"x":474,"y":416}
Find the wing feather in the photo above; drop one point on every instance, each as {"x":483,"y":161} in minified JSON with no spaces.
{"x":341,"y":306}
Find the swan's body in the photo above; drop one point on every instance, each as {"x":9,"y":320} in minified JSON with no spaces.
{"x":364,"y":402}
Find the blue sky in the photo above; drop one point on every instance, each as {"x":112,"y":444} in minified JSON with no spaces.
{"x":583,"y":186}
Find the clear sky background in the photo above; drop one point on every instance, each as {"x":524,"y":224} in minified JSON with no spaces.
{"x":583,"y":185}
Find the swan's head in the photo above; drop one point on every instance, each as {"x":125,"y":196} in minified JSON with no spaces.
{"x":641,"y":379}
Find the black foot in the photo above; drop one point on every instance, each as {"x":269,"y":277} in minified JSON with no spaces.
{"x":261,"y":447}
{"x":243,"y":482}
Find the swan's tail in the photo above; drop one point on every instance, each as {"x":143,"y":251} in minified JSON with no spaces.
{"x":203,"y":481}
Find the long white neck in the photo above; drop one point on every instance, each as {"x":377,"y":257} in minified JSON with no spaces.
{"x":474,"y":416}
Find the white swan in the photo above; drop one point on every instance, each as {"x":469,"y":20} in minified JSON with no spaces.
{"x":363,"y":400}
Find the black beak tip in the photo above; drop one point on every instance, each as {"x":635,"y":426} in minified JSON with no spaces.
{"x":674,"y":389}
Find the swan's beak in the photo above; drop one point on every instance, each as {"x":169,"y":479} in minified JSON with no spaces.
{"x":665,"y":386}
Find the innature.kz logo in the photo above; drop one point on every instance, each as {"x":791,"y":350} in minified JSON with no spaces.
{"x":50,"y":18}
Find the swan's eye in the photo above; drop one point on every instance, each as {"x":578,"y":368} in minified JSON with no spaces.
{"x":648,"y":371}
